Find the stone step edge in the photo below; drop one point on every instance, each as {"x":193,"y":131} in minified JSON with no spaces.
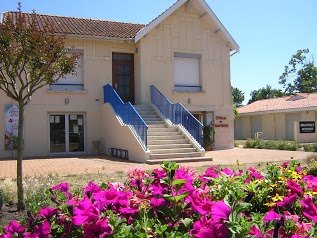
{"x":179,"y":160}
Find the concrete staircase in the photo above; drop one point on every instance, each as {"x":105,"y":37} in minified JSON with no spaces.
{"x":166,"y":142}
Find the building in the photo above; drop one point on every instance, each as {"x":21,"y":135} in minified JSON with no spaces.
{"x":290,"y":118}
{"x":184,"y":53}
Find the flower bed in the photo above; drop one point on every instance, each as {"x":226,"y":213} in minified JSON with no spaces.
{"x":174,"y":202}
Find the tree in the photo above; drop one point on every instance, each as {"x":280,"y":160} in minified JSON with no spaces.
{"x":31,"y":57}
{"x":300,"y":76}
{"x":238,"y":96}
{"x":264,"y":93}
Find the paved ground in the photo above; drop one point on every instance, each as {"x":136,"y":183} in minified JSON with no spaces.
{"x":108,"y":164}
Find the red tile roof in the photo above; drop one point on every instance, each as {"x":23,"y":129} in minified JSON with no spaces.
{"x":297,"y":101}
{"x":85,"y":27}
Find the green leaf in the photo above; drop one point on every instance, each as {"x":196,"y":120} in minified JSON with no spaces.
{"x":179,"y":197}
{"x":179,"y":181}
{"x":187,"y":222}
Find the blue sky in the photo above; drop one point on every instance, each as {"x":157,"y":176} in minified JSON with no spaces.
{"x":268,"y":32}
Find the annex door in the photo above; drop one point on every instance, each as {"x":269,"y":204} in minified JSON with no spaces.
{"x":123,"y":76}
{"x":67,"y":133}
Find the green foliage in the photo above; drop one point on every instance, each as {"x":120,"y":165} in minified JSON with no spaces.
{"x":238,"y":96}
{"x":300,"y":76}
{"x":265,"y":93}
{"x":310,"y":147}
{"x":312,"y":164}
{"x":272,"y":145}
{"x":2,"y":197}
{"x":208,"y":135}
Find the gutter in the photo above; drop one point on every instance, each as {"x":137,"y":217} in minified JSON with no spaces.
{"x":278,"y":111}
{"x":100,"y":37}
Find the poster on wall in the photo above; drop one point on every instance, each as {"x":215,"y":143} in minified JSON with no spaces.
{"x":11,"y":124}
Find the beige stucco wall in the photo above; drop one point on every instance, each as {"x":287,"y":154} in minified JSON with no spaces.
{"x":115,"y":130}
{"x":186,"y":32}
{"x":274,"y":127}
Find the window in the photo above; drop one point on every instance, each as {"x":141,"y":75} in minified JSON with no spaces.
{"x":72,"y":82}
{"x":187,"y":72}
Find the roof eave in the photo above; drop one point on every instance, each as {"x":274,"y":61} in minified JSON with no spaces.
{"x":278,"y":111}
{"x":100,"y":37}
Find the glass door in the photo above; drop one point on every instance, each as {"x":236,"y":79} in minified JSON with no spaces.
{"x":67,"y":133}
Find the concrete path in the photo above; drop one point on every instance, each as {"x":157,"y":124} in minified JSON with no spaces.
{"x":108,"y":164}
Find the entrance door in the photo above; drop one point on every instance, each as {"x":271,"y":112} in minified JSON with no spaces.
{"x":123,"y":76}
{"x":66,"y":133}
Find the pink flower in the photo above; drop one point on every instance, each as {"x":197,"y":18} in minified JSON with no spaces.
{"x":294,"y":186}
{"x":220,"y":211}
{"x":287,"y":200}
{"x":43,"y":230}
{"x":137,"y":173}
{"x":14,"y":227}
{"x":62,"y":187}
{"x":86,"y":212}
{"x":98,"y":229}
{"x":91,"y":188}
{"x":271,"y":215}
{"x":199,"y":203}
{"x":47,"y":212}
{"x":205,"y":228}
{"x":255,"y":232}
{"x":309,"y":209}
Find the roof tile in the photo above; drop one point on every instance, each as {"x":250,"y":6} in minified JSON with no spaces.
{"x":85,"y":27}
{"x":297,"y":101}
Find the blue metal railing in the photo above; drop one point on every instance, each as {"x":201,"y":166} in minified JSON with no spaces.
{"x":178,"y":114}
{"x":127,"y":113}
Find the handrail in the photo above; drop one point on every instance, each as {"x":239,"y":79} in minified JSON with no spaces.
{"x":127,"y":113}
{"x":178,"y":114}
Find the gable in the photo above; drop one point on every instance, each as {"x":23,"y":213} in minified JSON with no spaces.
{"x":204,"y":12}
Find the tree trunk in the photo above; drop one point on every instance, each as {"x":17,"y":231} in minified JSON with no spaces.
{"x":19,"y":149}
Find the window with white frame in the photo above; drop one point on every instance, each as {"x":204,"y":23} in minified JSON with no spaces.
{"x":72,"y":82}
{"x":187,"y":72}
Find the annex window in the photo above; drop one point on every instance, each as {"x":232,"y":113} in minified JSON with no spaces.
{"x":187,"y":72}
{"x":72,"y":82}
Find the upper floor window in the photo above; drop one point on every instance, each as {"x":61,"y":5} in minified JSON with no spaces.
{"x":72,"y":82}
{"x":187,"y":72}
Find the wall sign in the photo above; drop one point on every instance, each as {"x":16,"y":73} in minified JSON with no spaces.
{"x":11,"y":124}
{"x":306,"y":127}
{"x":221,"y":121}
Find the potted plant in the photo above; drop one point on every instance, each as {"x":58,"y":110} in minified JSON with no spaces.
{"x":208,"y":137}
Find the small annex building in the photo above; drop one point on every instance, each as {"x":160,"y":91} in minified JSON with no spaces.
{"x":141,"y":91}
{"x":290,"y":118}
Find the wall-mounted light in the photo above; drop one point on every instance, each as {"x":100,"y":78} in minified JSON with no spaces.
{"x":66,"y":100}
{"x":189,"y":100}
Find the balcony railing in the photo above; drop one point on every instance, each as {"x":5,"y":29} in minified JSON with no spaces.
{"x":178,"y":114}
{"x":127,"y":113}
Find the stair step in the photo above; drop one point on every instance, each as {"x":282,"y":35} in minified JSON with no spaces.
{"x":157,"y":126}
{"x":170,"y":146}
{"x":166,"y":137}
{"x":175,"y":155}
{"x":164,"y":133}
{"x":167,"y":142}
{"x":172,"y":151}
{"x":156,"y":122}
{"x":179,"y":160}
{"x":162,"y":129}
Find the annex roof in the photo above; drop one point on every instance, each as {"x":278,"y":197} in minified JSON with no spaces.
{"x":203,"y":9}
{"x":83,"y":26}
{"x":294,"y":102}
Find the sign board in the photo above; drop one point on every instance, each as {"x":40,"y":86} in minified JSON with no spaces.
{"x":11,"y":125}
{"x":221,"y":121}
{"x":306,"y":127}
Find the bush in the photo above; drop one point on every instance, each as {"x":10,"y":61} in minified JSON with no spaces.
{"x":2,"y":195}
{"x":174,"y":202}
{"x":312,"y":164}
{"x":310,"y":147}
{"x":272,"y":145}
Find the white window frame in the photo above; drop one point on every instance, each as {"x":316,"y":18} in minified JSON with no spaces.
{"x":187,"y":72}
{"x":72,"y":82}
